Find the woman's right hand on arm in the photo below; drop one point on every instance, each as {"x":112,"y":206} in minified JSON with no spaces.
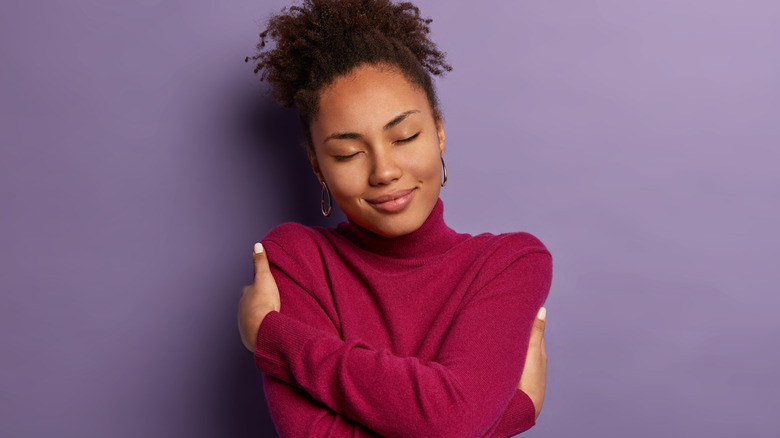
{"x":257,"y":299}
{"x":534,"y":377}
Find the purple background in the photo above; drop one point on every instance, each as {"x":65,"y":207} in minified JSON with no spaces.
{"x":140,"y":161}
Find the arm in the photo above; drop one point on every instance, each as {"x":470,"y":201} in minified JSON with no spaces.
{"x":526,"y":405}
{"x":518,"y":417}
{"x":295,"y":413}
{"x":406,"y":396}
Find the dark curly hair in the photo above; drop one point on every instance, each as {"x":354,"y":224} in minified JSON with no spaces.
{"x":321,"y":40}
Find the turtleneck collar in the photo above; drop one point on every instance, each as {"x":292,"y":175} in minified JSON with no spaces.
{"x":433,"y":237}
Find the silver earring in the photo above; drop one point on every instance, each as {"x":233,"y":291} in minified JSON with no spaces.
{"x":443,"y":171}
{"x":325,"y":189}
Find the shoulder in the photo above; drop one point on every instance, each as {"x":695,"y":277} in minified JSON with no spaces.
{"x":292,"y":246}
{"x":292,"y":236}
{"x":508,"y":247}
{"x":511,"y":257}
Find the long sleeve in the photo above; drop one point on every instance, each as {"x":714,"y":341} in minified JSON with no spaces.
{"x":464,"y":392}
{"x":295,"y":413}
{"x":519,"y":416}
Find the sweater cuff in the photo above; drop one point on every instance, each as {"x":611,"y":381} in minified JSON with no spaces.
{"x":519,"y":416}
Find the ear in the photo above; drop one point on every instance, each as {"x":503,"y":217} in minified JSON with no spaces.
{"x":440,"y":133}
{"x":315,"y":165}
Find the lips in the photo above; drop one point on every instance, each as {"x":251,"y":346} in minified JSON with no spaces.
{"x":390,"y":197}
{"x":393,"y":202}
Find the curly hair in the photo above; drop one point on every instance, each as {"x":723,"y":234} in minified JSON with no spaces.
{"x":322,"y":40}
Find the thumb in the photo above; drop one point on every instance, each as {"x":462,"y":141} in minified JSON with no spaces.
{"x":260,"y":258}
{"x":540,"y":321}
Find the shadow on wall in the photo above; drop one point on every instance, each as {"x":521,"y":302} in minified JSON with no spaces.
{"x":263,"y":133}
{"x":273,"y":136}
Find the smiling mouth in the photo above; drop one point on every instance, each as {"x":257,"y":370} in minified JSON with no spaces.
{"x":391,"y":197}
{"x":394,"y":202}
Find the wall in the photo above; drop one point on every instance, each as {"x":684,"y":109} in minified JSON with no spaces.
{"x":141,"y":159}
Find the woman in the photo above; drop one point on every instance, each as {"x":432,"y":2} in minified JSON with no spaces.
{"x":393,"y":323}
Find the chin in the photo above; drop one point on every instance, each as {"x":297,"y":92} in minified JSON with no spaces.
{"x":396,"y":226}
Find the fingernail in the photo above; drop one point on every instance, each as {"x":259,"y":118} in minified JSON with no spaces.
{"x":542,"y":314}
{"x":258,"y":248}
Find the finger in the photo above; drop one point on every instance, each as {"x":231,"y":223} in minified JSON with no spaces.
{"x":260,"y":258}
{"x":544,"y":350}
{"x":539,"y":322}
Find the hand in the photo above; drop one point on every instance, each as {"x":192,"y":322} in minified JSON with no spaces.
{"x":257,"y":299}
{"x":534,"y":377}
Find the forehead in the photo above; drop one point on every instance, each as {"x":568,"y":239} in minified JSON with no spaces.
{"x":366,"y":99}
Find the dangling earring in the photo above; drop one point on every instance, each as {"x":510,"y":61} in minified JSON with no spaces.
{"x":443,"y":171}
{"x":325,"y":189}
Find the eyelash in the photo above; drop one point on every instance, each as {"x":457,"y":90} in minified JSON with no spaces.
{"x":408,"y":139}
{"x":401,"y":141}
{"x":344,"y":157}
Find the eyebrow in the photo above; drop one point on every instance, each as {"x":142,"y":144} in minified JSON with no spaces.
{"x":352,"y":135}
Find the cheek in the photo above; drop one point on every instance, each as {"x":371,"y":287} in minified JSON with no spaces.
{"x":346,"y":183}
{"x":426,"y":165}
{"x":426,"y":170}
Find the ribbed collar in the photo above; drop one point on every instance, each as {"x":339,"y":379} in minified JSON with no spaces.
{"x":433,"y":238}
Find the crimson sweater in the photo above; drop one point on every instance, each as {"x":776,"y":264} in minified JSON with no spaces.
{"x":422,"y":335}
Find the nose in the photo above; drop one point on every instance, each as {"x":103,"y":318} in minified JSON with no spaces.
{"x":385,"y":169}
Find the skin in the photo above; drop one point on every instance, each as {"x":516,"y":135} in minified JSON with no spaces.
{"x":534,"y":379}
{"x":375,"y":136}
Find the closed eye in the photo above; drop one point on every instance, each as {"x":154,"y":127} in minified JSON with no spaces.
{"x":408,"y":139}
{"x":344,"y":157}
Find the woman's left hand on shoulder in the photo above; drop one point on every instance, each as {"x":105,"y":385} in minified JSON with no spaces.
{"x":257,"y":299}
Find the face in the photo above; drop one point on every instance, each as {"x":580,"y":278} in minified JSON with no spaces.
{"x":377,"y":145}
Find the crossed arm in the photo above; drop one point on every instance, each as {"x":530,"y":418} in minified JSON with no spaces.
{"x":309,"y":370}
